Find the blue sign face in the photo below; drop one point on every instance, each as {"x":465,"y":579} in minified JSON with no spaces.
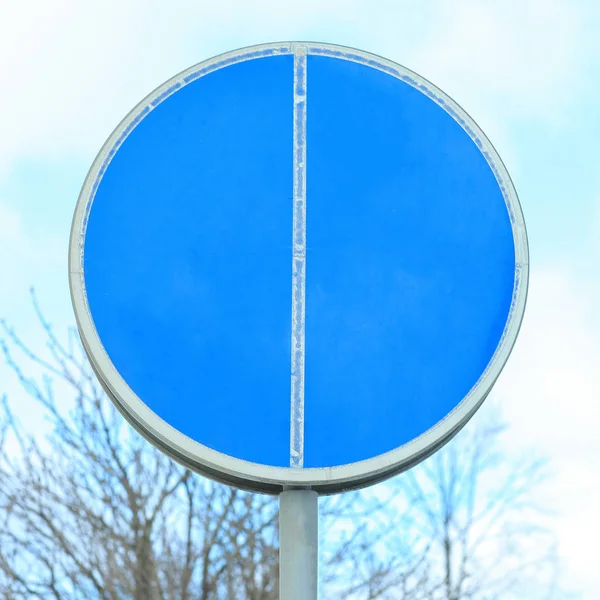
{"x":298,"y":264}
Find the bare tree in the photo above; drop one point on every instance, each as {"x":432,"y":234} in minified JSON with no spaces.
{"x":487,"y":538}
{"x":91,"y":510}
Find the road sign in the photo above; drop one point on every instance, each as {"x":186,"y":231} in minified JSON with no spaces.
{"x":298,"y":264}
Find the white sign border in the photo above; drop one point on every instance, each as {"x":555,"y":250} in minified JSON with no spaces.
{"x":264,"y":478}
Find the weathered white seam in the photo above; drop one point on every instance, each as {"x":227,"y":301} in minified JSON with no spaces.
{"x":298,"y":262}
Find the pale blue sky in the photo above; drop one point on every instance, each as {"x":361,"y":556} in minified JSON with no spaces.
{"x":528,"y":71}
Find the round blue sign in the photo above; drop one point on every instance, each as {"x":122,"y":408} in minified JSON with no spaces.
{"x":298,"y":264}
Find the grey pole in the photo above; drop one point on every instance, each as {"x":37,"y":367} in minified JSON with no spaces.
{"x":298,"y":545}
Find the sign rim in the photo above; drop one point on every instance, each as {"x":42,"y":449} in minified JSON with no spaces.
{"x":265,"y":478}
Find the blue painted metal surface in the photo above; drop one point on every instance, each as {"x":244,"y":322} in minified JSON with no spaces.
{"x":408,"y":259}
{"x":187,"y":259}
{"x":410,"y":264}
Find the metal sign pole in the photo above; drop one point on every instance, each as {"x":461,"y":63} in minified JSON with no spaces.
{"x":298,"y":545}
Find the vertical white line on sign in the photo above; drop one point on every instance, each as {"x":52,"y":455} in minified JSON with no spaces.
{"x":298,"y":261}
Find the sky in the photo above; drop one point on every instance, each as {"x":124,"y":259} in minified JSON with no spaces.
{"x":527,"y":71}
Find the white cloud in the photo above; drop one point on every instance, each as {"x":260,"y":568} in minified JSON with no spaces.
{"x":15,"y":246}
{"x":549,"y":384}
{"x":550,"y":392}
{"x":510,"y":63}
{"x":29,"y":256}
{"x":526,"y":53}
{"x":594,"y":232}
